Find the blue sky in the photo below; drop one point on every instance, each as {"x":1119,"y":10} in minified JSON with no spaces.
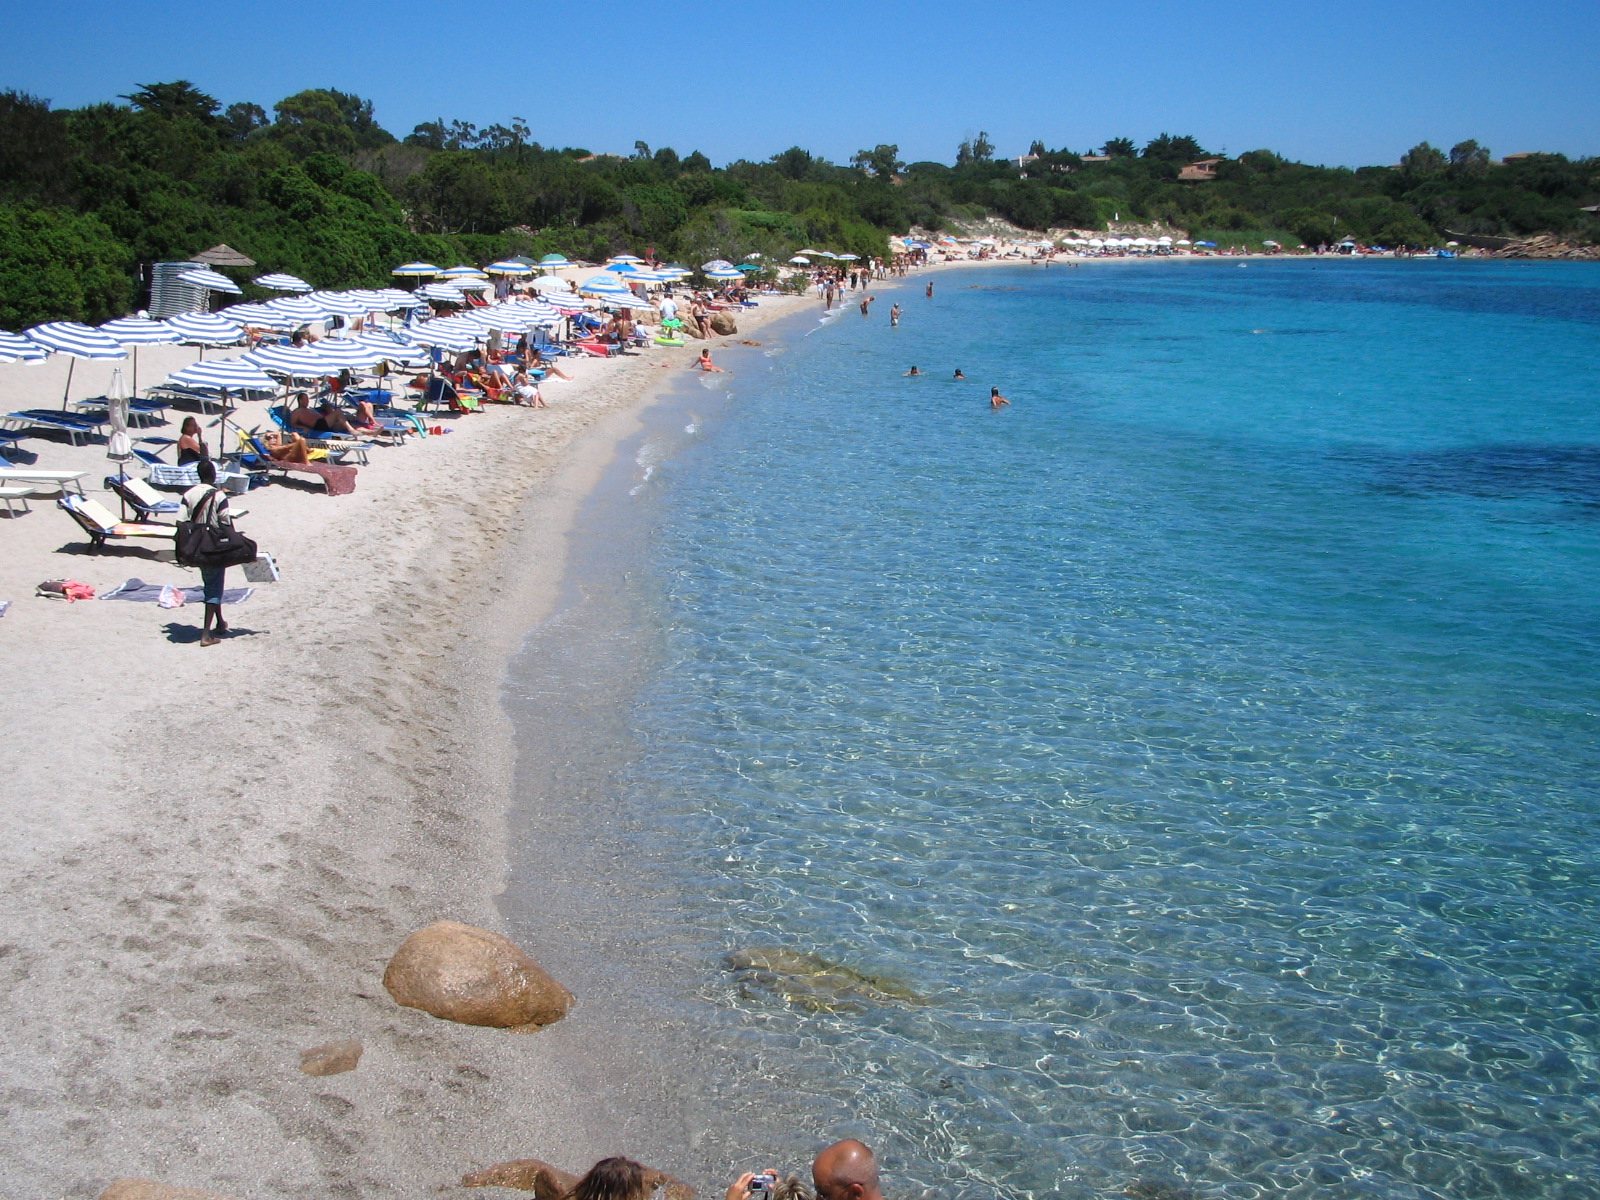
{"x":1350,"y":83}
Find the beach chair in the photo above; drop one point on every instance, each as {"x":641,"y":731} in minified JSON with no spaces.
{"x":140,"y":412}
{"x":138,"y":495}
{"x":15,"y":493}
{"x":101,"y":525}
{"x":9,"y":439}
{"x":337,"y":446}
{"x":47,"y":480}
{"x":74,"y":425}
{"x":340,"y":480}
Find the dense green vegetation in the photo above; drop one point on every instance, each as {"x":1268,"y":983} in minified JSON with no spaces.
{"x":318,"y":188}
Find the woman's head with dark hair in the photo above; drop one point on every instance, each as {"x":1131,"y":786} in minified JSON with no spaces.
{"x":206,"y":471}
{"x":611,"y":1179}
{"x":190,"y":425}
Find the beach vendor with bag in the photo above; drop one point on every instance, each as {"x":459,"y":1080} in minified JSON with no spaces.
{"x":207,"y":539}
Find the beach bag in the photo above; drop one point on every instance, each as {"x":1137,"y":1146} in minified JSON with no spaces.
{"x":202,"y":543}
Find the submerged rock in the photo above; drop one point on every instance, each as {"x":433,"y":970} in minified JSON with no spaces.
{"x":460,"y":973}
{"x":148,"y":1189}
{"x":333,"y":1059}
{"x":812,"y":982}
{"x":548,"y":1182}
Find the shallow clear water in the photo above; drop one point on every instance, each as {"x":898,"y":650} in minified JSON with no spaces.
{"x":1209,"y":740}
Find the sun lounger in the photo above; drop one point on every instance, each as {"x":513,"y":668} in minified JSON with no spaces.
{"x":101,"y":525}
{"x":74,"y":425}
{"x":138,"y":495}
{"x":15,"y":493}
{"x":140,"y":412}
{"x":340,"y":480}
{"x":9,"y":439}
{"x":338,"y":446}
{"x":43,"y":479}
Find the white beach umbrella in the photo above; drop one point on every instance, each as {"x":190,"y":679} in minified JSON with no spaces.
{"x":1184,"y":242}
{"x":804,"y":262}
{"x":282,"y":283}
{"x":461,"y":272}
{"x":724,"y":273}
{"x":1163,"y":241}
{"x":509,"y":267}
{"x":471,"y":285}
{"x":551,"y":283}
{"x":16,"y":348}
{"x":415,"y":270}
{"x":847,"y":257}
{"x":624,"y":258}
{"x":716,"y":264}
{"x":205,"y":277}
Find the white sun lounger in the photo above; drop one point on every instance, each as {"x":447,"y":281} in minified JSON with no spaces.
{"x":44,"y":480}
{"x":12,"y":494}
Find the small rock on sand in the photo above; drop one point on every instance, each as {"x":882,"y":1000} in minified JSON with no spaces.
{"x":472,"y":976}
{"x":332,"y":1059}
{"x":149,"y":1189}
{"x":548,"y":1182}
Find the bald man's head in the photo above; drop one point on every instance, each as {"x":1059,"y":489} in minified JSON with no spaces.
{"x":846,"y":1171}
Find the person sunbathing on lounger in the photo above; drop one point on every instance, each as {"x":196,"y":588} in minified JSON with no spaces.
{"x":305,"y":417}
{"x":289,"y":447}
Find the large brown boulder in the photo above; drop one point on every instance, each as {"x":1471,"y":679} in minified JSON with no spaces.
{"x":149,"y":1189}
{"x":722,"y":322}
{"x":548,"y":1182}
{"x":459,"y":973}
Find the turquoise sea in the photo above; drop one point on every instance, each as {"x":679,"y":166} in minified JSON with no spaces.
{"x":1209,"y":743}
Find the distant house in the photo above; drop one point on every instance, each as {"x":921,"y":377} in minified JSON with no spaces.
{"x":1094,"y":158}
{"x":1206,"y":168}
{"x":1516,"y":158}
{"x":1025,"y":160}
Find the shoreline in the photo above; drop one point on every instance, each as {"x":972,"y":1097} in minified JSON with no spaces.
{"x":214,"y":852}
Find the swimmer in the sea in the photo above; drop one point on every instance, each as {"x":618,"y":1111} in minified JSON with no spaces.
{"x":959,"y":375}
{"x":913,"y":371}
{"x":996,"y":399}
{"x":894,"y":315}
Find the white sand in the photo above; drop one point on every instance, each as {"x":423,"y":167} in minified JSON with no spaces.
{"x":212,"y":852}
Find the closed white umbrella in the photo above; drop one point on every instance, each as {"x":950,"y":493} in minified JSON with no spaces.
{"x":118,"y":447}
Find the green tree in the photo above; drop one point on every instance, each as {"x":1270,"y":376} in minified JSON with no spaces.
{"x":1423,"y":159}
{"x":177,"y":99}
{"x":1167,"y":148}
{"x":58,"y":265}
{"x":321,"y":119}
{"x":1468,"y":159}
{"x":239,"y":121}
{"x":1119,"y":148}
{"x":881,"y":161}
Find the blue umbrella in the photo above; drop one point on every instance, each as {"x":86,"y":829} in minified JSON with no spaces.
{"x":604,"y":285}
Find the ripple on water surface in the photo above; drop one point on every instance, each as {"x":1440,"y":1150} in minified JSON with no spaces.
{"x":1207,"y":744}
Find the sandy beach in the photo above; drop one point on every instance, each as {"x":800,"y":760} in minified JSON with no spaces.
{"x":214,"y":851}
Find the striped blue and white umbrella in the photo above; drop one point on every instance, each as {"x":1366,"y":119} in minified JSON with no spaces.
{"x":80,"y":341}
{"x":461,"y":272}
{"x":206,"y":329}
{"x":282,"y":283}
{"x":509,"y":267}
{"x":724,"y":273}
{"x":628,"y":302}
{"x":651,"y":277}
{"x":262,"y":316}
{"x":445,"y":335}
{"x":16,"y":348}
{"x":297,"y":361}
{"x":342,"y":303}
{"x":416,"y":270}
{"x":300,"y":309}
{"x":345,"y":353}
{"x":141,"y":331}
{"x":565,"y":303}
{"x":624,"y":258}
{"x":231,"y":373}
{"x":551,"y":262}
{"x":205,"y":277}
{"x":393,"y":348}
{"x":542,"y":313}
{"x":445,"y":293}
{"x":715,"y":264}
{"x":471,"y":285}
{"x":603,"y":285}
{"x":376,"y":299}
